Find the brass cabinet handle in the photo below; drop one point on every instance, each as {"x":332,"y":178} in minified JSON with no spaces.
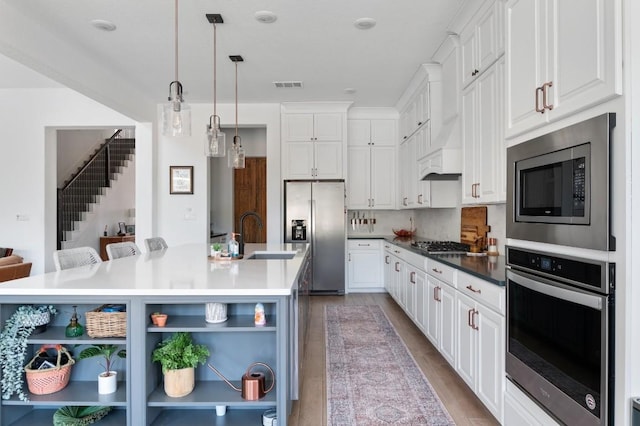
{"x":469,"y":287}
{"x":538,"y":109}
{"x":545,"y":105}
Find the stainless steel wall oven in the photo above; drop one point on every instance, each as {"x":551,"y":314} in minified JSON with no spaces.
{"x":560,"y":334}
{"x":558,"y":186}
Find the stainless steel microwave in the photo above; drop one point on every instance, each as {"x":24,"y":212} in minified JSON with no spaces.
{"x":558,"y":186}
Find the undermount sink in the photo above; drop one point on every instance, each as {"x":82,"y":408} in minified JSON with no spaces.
{"x":265,"y":255}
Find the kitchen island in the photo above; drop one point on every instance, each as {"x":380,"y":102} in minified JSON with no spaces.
{"x":178,"y":281}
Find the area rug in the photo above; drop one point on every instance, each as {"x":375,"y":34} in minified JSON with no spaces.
{"x":372,"y":379}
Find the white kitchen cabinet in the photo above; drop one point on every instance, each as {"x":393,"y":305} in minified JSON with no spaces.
{"x":441,"y":310}
{"x":364,"y":265}
{"x":482,"y":41}
{"x":408,"y":171}
{"x":484,"y":149}
{"x":313,"y":146}
{"x":562,"y":56}
{"x":480,"y":340}
{"x":371,"y":180}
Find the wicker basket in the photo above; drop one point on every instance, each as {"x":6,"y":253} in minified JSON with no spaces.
{"x":49,"y":380}
{"x":106,"y":324}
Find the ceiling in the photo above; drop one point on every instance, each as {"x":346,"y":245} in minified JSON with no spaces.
{"x":313,"y":41}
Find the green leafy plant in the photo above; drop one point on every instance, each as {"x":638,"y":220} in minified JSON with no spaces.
{"x":108,"y":352}
{"x":70,"y":415}
{"x":13,"y":346}
{"x":217,"y":246}
{"x":179,"y":351}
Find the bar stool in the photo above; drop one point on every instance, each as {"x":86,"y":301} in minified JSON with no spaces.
{"x":74,"y":257}
{"x":123,"y":249}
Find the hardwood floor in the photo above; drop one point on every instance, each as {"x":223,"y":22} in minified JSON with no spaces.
{"x":311,"y":409}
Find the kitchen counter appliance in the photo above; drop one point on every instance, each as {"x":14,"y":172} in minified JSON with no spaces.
{"x":558,"y":186}
{"x":441,"y":247}
{"x":315,"y":213}
{"x":560,"y":333}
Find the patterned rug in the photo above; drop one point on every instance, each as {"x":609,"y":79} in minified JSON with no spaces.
{"x":372,"y":379}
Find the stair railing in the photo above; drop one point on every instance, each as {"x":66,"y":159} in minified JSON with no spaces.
{"x":71,"y":194}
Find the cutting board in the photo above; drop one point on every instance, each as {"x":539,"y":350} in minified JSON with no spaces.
{"x":473,"y":226}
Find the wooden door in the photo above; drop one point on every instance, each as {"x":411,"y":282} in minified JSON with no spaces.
{"x":250,"y":195}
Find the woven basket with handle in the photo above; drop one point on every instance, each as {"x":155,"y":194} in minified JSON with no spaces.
{"x":106,"y":324}
{"x":49,"y":380}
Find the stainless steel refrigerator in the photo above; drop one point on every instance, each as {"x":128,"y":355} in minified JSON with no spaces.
{"x":315,"y":213}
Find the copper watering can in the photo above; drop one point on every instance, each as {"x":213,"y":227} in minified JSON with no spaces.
{"x":253,"y":387}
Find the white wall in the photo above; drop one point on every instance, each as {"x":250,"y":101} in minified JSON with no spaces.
{"x":29,"y":119}
{"x":185,"y":218}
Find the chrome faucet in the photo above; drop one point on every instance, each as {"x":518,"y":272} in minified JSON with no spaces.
{"x":242,"y":218}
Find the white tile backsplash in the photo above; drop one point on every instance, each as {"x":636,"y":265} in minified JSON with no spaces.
{"x":437,"y":224}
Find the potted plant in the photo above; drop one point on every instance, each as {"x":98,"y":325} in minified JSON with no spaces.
{"x":179,"y":355}
{"x":13,"y":345}
{"x":108,"y":379}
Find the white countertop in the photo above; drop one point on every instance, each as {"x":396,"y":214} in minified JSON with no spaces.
{"x":180,"y":270}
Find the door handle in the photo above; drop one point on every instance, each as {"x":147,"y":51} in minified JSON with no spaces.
{"x":396,"y":267}
{"x":545,"y":105}
{"x":412,"y":277}
{"x":538,"y":109}
{"x":473,"y":319}
{"x":469,"y":314}
{"x":469,"y":287}
{"x":386,"y":259}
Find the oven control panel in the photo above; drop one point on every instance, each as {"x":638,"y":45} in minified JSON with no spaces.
{"x":588,"y":273}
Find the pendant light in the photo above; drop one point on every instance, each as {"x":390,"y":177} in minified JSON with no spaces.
{"x":214,"y":143}
{"x":176,"y":114}
{"x":236,"y":152}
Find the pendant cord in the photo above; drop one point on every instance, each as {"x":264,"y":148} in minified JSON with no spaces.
{"x":214,"y":74}
{"x":234,"y":142}
{"x":176,"y":39}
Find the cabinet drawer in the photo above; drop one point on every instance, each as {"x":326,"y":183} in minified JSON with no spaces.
{"x":484,"y":292}
{"x":442,"y":272}
{"x":365,"y":244}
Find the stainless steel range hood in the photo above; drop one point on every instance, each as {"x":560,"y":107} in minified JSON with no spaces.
{"x":445,"y":162}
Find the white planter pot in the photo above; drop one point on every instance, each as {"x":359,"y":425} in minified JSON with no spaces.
{"x":108,"y":384}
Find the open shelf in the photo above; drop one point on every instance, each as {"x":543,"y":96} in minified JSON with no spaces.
{"x":45,"y":417}
{"x":210,"y":393}
{"x":193,"y":323}
{"x":75,"y":393}
{"x":208,"y":417}
{"x":56,"y":334}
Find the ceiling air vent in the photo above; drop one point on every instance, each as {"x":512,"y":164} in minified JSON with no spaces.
{"x":286,"y":84}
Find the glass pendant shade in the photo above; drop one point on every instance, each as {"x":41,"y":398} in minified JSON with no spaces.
{"x":236,"y":154}
{"x":215,"y":139}
{"x":176,"y":114}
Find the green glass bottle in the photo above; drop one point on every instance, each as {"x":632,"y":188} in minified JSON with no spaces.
{"x":74,"y":329}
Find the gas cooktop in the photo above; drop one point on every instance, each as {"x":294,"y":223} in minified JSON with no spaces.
{"x":441,"y":247}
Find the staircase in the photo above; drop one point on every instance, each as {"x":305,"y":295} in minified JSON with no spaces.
{"x":85,"y":187}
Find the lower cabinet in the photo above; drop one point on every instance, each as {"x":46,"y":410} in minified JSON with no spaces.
{"x":463,"y":316}
{"x":364,"y":265}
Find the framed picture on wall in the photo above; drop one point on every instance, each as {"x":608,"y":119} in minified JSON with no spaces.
{"x":181,"y":179}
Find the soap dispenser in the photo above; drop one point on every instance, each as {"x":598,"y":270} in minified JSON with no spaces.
{"x":74,"y":329}
{"x":234,"y":247}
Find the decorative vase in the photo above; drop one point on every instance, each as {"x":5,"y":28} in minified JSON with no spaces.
{"x":216,"y":312}
{"x":179,"y":383}
{"x":107,"y":384}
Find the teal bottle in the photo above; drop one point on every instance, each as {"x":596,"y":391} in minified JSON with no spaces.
{"x":74,"y":329}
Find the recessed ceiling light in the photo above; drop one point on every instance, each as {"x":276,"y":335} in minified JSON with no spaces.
{"x":103,"y":25}
{"x":364,"y":23}
{"x":265,"y":16}
{"x":349,"y":90}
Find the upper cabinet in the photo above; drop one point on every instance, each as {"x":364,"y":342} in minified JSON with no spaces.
{"x":482,"y":41}
{"x":562,"y":56}
{"x":313,"y":144}
{"x":371,"y":154}
{"x":483,"y":177}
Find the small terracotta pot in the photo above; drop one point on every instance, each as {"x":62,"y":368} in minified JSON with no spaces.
{"x":161,"y":320}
